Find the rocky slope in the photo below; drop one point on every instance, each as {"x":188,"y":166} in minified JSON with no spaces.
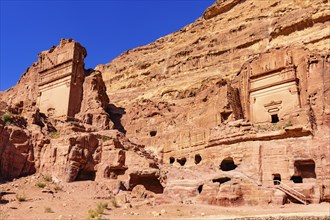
{"x":177,"y":96}
{"x":87,"y":147}
{"x":178,"y":116}
{"x":173,"y":83}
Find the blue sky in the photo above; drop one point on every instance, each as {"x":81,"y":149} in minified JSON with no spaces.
{"x":104,"y":28}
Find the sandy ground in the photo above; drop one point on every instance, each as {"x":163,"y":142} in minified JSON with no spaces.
{"x":74,"y":200}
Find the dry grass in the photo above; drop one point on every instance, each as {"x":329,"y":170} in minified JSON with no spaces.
{"x":114,"y":202}
{"x":47,"y":178}
{"x":41,"y":184}
{"x":21,"y":197}
{"x":48,"y":210}
{"x":96,"y":214}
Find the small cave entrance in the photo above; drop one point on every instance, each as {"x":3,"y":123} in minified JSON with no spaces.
{"x":221,"y":180}
{"x":225,"y":116}
{"x":172,"y":160}
{"x":182,"y":161}
{"x":122,"y":187}
{"x":296,"y":179}
{"x":200,"y":188}
{"x":86,"y":175}
{"x":274,"y":118}
{"x":277,"y":179}
{"x":149,"y":181}
{"x":114,"y":172}
{"x":228,"y":164}
{"x":305,"y":168}
{"x":116,"y":114}
{"x":153,"y":133}
{"x":198,"y":158}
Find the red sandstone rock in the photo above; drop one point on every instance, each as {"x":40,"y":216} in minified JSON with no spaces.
{"x":16,"y":152}
{"x":95,"y":102}
{"x":219,"y":7}
{"x":220,"y":111}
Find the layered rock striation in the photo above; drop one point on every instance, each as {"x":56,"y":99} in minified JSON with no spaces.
{"x":182,"y":68}
{"x":264,"y":62}
{"x":232,"y":109}
{"x":35,"y":136}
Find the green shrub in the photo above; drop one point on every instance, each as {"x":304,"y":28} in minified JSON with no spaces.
{"x":101,"y":207}
{"x":92,"y":214}
{"x":288,"y":124}
{"x":21,"y":198}
{"x":96,"y":214}
{"x":54,"y":135}
{"x":48,"y":210}
{"x":57,"y":188}
{"x":47,"y":178}
{"x":7,"y":118}
{"x":105,"y":138}
{"x":40,"y":185}
{"x":114,"y":202}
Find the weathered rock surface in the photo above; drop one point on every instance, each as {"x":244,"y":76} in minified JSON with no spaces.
{"x":219,"y":112}
{"x":68,"y":149}
{"x":182,"y":93}
{"x":95,"y":103}
{"x":185,"y":70}
{"x":16,"y":152}
{"x":220,"y":7}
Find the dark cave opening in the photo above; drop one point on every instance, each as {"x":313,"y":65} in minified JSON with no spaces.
{"x":150,"y":182}
{"x":277,"y":179}
{"x":275,"y":118}
{"x":296,"y":179}
{"x":305,"y":168}
{"x":221,"y":180}
{"x":182,"y":161}
{"x":153,"y":133}
{"x":198,"y":158}
{"x":86,"y":175}
{"x":200,"y":188}
{"x":227,"y":164}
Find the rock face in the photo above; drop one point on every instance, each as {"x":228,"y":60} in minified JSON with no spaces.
{"x":81,"y":146}
{"x":220,"y":7}
{"x":94,"y":156}
{"x":231,"y":107}
{"x":95,"y":103}
{"x":16,"y":152}
{"x":61,"y":75}
{"x":186,"y":70}
{"x":248,"y":81}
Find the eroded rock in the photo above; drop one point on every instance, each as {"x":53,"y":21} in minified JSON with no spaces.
{"x":229,"y":108}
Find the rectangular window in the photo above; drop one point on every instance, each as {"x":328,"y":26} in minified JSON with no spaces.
{"x":275,"y":118}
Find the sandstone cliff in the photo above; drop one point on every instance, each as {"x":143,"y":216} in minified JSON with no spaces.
{"x":219,"y":112}
{"x":181,"y":91}
{"x":177,"y":78}
{"x":84,"y":147}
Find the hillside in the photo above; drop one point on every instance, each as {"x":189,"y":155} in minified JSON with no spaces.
{"x":170,"y":77}
{"x":232,"y":110}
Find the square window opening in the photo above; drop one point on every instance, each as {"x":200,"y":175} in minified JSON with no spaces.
{"x":275,"y":118}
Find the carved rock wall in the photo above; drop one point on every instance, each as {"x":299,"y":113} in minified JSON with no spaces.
{"x":92,"y":156}
{"x":187,"y":98}
{"x":182,"y":92}
{"x":181,"y":69}
{"x":61,"y":76}
{"x":252,"y":180}
{"x":94,"y":103}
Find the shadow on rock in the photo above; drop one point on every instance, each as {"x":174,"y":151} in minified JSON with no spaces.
{"x":116,"y":113}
